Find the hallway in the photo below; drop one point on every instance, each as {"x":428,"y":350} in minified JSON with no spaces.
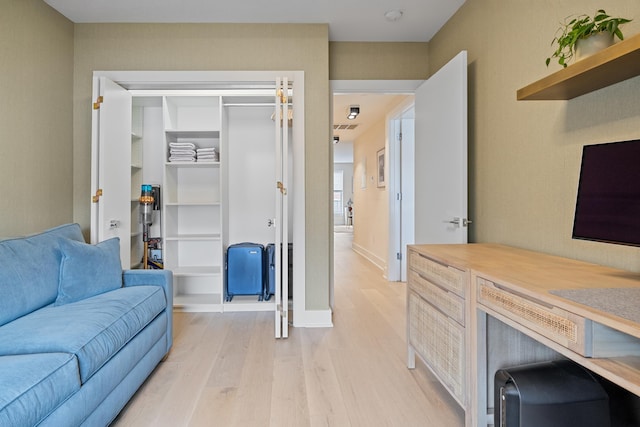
{"x":227,"y":370}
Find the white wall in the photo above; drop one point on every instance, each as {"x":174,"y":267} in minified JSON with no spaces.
{"x":251,"y":194}
{"x":347,"y":179}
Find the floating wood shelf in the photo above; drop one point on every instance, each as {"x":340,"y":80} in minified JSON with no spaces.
{"x":609,"y":66}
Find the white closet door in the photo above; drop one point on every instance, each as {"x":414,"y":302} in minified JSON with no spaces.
{"x":282,"y":208}
{"x":111,"y":165}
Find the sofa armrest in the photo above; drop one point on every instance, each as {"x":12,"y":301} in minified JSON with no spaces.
{"x":163,"y":278}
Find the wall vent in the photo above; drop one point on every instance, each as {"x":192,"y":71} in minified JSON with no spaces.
{"x":345,"y":127}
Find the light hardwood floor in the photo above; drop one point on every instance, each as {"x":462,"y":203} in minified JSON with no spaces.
{"x":228,"y":370}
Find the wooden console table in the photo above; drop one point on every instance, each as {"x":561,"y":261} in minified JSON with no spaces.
{"x":473,"y":309}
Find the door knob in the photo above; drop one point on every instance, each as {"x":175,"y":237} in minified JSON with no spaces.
{"x":455,"y":221}
{"x":459,"y":222}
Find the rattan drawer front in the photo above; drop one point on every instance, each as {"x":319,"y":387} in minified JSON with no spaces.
{"x":558,"y":325}
{"x":447,"y":302}
{"x":440,"y":343}
{"x":442,"y":275}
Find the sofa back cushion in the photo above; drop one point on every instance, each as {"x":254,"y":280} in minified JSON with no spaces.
{"x":30,"y":270}
{"x":88,"y":270}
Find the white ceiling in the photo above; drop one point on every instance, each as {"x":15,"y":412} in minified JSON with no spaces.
{"x":349,"y":20}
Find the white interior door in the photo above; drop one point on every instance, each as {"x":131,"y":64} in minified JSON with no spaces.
{"x":111,"y":165}
{"x":282,"y":208}
{"x":407,"y":211}
{"x":441,"y":155}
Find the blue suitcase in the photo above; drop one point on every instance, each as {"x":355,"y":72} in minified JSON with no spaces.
{"x":245,"y":270}
{"x":270,"y":286}
{"x":270,"y":260}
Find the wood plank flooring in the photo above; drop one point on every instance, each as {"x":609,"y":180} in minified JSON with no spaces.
{"x":228,"y":370}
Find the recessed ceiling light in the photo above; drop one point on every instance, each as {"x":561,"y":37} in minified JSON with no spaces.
{"x":353,"y":112}
{"x":393,"y":15}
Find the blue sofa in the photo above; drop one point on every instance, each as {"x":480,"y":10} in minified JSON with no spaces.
{"x":78,"y":335}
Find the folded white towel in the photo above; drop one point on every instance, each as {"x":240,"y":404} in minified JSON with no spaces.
{"x":183,"y":145}
{"x":206,"y":150}
{"x":199,"y":160}
{"x":181,"y":152}
{"x":182,"y":159}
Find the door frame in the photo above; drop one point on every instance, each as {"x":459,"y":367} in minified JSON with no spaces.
{"x":190,"y":80}
{"x":402,"y":189}
{"x":396,"y":87}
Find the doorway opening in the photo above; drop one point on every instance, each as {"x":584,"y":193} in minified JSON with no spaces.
{"x":417,"y":191}
{"x":369,"y":139}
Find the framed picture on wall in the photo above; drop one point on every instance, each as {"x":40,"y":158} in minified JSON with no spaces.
{"x":380,"y":168}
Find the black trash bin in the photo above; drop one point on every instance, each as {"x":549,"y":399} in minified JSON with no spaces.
{"x":550,"y":394}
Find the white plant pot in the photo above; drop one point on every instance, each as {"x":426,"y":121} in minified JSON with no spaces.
{"x":593,"y":44}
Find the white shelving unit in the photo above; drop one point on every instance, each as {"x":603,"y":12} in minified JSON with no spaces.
{"x":137,"y":246}
{"x":232,"y":110}
{"x":205,"y":206}
{"x":193,"y":205}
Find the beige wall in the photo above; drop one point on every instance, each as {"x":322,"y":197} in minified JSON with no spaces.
{"x":219,"y":47}
{"x":524,"y":156}
{"x":36,"y":81}
{"x":378,"y":61}
{"x":371,"y":203}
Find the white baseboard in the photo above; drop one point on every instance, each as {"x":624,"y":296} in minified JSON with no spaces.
{"x":374,"y":259}
{"x":313,"y":319}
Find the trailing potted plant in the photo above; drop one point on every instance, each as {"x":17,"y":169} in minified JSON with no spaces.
{"x":576,"y":29}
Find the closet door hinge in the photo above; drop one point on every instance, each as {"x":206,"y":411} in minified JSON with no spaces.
{"x":281,"y":187}
{"x":96,"y":105}
{"x":399,"y":256}
{"x":96,"y":197}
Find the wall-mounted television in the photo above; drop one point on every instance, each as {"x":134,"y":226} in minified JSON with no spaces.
{"x":608,"y":201}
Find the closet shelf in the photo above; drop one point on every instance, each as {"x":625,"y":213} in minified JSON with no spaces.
{"x":192,"y":164}
{"x":192,"y":133}
{"x":202,"y":203}
{"x":197,"y":271}
{"x":194,"y":237}
{"x":609,"y":66}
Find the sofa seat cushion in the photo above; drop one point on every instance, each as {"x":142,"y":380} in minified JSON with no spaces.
{"x":93,"y":329}
{"x":33,"y":385}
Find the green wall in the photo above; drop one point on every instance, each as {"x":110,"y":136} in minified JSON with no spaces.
{"x":524,"y":156}
{"x":36,"y":147}
{"x":378,"y":61}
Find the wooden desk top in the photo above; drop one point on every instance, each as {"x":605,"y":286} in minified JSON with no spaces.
{"x":543,"y":277}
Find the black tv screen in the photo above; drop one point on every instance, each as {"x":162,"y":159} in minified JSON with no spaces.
{"x":608,"y":202}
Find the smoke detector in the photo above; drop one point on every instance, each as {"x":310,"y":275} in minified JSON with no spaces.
{"x":393,"y":15}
